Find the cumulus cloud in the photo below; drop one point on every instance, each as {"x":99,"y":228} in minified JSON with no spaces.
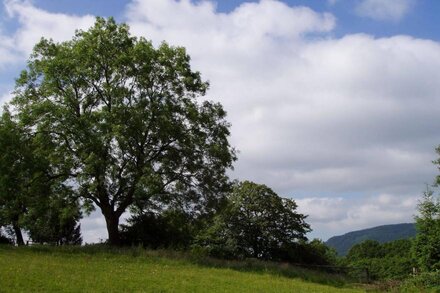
{"x":384,"y":10}
{"x":312,"y":114}
{"x":8,"y":54}
{"x":32,"y":24}
{"x":4,"y":99}
{"x":94,"y":228}
{"x":35,"y":23}
{"x":335,"y":216}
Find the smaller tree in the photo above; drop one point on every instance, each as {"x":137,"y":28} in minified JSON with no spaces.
{"x":170,"y":228}
{"x":17,"y":166}
{"x":426,"y":248}
{"x":32,"y":197}
{"x":255,"y":223}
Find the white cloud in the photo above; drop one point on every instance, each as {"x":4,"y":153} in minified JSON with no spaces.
{"x":35,"y":23}
{"x":8,"y":54}
{"x":5,"y":98}
{"x":251,"y":24}
{"x":335,"y":216}
{"x":93,"y":228}
{"x":393,"y":10}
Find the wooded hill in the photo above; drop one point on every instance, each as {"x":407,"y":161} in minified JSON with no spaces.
{"x":382,"y":234}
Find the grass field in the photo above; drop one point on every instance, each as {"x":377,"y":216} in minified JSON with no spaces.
{"x":52,"y":269}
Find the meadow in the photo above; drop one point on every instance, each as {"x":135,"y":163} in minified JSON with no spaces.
{"x":100,"y":269}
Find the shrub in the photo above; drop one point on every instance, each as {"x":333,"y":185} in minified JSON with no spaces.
{"x":172,"y":228}
{"x":424,"y":281}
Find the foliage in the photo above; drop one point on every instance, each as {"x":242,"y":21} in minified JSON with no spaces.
{"x":57,"y":223}
{"x":366,"y":249}
{"x":31,"y":198}
{"x":169,"y":229}
{"x":391,"y":260}
{"x":314,"y":252}
{"x":255,"y":223}
{"x":424,"y":282}
{"x":77,"y":269}
{"x":317,"y":252}
{"x":125,"y":123}
{"x":426,"y":247}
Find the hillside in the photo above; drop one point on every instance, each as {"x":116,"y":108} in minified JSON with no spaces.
{"x":382,"y":234}
{"x":90,"y":269}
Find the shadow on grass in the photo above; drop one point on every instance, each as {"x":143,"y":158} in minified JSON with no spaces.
{"x":248,"y":265}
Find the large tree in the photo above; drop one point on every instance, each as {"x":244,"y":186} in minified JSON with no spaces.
{"x":125,"y":122}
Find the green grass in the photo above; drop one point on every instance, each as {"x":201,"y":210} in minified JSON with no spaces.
{"x":98,"y":269}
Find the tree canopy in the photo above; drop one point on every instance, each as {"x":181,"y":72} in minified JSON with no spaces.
{"x":124,"y":122}
{"x":255,"y":223}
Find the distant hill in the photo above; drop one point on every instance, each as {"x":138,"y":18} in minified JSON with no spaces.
{"x":385,"y":233}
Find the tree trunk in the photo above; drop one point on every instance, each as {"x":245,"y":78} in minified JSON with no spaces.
{"x":18,"y":235}
{"x":112,"y":220}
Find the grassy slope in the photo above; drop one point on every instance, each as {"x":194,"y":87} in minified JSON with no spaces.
{"x":52,"y":269}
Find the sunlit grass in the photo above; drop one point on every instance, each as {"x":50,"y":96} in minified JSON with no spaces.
{"x":100,"y":270}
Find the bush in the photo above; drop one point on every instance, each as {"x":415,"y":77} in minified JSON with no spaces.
{"x":313,"y":252}
{"x":170,"y":229}
{"x":387,"y":261}
{"x":424,"y":281}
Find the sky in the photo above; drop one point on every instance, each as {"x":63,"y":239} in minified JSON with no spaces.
{"x":334,"y":103}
